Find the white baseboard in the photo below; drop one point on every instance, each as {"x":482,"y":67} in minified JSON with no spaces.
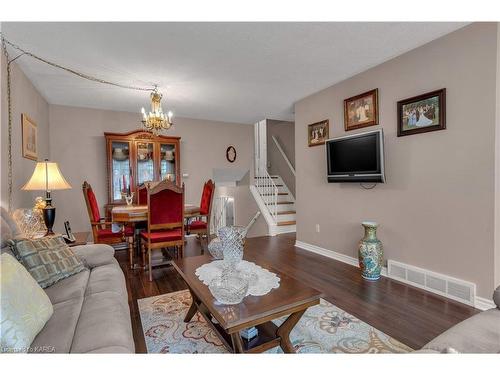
{"x":332,"y":254}
{"x":483,"y":303}
{"x":479,"y":302}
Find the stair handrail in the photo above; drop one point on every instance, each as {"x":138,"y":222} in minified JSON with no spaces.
{"x":280,"y":149}
{"x":267,"y":188}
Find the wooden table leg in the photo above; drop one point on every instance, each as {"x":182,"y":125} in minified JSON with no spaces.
{"x":192,"y":309}
{"x":237,"y":342}
{"x":130,"y":241}
{"x":284,"y":331}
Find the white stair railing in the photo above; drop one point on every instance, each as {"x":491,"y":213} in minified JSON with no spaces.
{"x":268,"y":191}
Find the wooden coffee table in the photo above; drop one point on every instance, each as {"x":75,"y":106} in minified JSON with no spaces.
{"x":291,"y":298}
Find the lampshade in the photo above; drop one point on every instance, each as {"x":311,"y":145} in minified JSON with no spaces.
{"x":46,"y":176}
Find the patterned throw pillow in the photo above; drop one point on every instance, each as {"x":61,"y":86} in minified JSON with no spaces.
{"x":24,"y":307}
{"x":48,"y":259}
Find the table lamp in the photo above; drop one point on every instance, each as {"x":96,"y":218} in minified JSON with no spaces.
{"x":48,"y":177}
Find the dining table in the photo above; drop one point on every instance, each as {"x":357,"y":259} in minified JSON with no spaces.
{"x":137,"y":216}
{"x":136,"y":213}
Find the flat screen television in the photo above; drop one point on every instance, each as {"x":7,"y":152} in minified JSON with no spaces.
{"x":356,"y":158}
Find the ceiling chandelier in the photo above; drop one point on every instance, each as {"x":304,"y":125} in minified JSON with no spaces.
{"x":156,"y":121}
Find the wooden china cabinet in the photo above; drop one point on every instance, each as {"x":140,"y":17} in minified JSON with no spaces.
{"x":137,"y":157}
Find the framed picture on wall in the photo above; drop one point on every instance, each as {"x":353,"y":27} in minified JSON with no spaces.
{"x":422,"y":113}
{"x":361,"y":110}
{"x":30,"y":138}
{"x":317,"y":133}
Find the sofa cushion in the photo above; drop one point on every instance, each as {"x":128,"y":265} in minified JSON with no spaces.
{"x":107,"y":278}
{"x":70,"y":288}
{"x":25,"y":307}
{"x":95,"y":255}
{"x":48,"y":259}
{"x":104,"y":323}
{"x":478,"y":334}
{"x":110,"y":350}
{"x":496,"y":296}
{"x":58,"y":333}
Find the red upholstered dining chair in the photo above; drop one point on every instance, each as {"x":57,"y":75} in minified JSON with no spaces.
{"x":142,"y":195}
{"x":165,"y":220}
{"x":101,"y":229}
{"x":195,"y":222}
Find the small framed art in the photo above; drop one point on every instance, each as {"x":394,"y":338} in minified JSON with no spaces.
{"x":317,"y":133}
{"x":30,"y":138}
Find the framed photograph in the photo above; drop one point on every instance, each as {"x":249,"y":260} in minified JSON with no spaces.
{"x":30,"y":138}
{"x":361,"y":110}
{"x":423,"y":113}
{"x":317,"y":133}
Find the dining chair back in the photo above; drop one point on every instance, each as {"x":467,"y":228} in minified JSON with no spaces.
{"x":142,"y":194}
{"x":198,"y":221}
{"x":165,"y":219}
{"x":102,"y":230}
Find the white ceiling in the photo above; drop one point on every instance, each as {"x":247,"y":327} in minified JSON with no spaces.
{"x":234,"y":72}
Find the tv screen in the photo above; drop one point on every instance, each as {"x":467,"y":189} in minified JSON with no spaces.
{"x":356,"y":158}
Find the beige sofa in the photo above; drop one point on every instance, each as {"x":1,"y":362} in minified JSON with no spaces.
{"x":91,"y":312}
{"x":478,"y":334}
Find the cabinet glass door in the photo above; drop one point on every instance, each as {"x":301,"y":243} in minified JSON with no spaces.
{"x":120,"y":166}
{"x":145,"y":162}
{"x":167,"y":162}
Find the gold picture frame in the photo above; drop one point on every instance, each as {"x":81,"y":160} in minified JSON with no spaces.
{"x":30,"y":138}
{"x":361,"y":110}
{"x":318,"y":133}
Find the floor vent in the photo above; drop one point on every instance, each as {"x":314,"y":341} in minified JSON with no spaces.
{"x":459,"y":290}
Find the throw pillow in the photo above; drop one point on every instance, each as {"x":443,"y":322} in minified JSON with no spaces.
{"x":48,"y":259}
{"x":8,"y":228}
{"x":24,"y":308}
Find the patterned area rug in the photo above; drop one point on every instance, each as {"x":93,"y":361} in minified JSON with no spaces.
{"x":324,"y":328}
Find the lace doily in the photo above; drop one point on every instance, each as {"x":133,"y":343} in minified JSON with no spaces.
{"x":263,"y":282}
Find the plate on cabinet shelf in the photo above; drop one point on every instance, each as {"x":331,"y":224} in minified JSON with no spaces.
{"x":120,"y":154}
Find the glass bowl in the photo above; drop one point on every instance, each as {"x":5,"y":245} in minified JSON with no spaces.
{"x":229,"y":290}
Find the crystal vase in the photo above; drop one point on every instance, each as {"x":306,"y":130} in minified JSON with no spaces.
{"x":232,"y":239}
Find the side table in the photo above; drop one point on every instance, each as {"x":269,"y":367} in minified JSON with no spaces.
{"x":81,"y":239}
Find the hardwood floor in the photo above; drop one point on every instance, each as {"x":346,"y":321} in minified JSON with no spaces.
{"x":408,"y":314}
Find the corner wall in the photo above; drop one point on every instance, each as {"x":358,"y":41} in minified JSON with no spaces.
{"x":25,"y":99}
{"x":436,"y":210}
{"x":284,"y":131}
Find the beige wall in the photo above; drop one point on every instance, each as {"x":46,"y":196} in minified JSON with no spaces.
{"x":78,"y":145}
{"x":436,"y":210}
{"x":25,"y":99}
{"x":284,"y":131}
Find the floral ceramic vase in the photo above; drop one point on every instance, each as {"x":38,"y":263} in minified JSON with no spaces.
{"x":370,"y":252}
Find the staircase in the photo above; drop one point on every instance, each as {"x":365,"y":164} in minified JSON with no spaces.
{"x":276,"y":203}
